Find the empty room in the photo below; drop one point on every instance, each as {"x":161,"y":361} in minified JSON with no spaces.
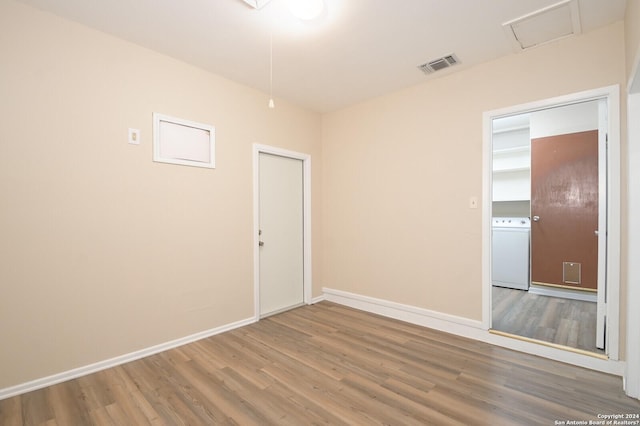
{"x":319,"y":211}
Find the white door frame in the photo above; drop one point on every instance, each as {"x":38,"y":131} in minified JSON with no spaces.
{"x":612,"y":93}
{"x":306,"y":219}
{"x":632,"y":373}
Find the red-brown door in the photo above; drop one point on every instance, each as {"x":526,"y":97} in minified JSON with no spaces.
{"x":564,"y":210}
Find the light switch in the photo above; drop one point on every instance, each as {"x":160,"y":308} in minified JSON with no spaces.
{"x":473,"y":202}
{"x":134,"y":136}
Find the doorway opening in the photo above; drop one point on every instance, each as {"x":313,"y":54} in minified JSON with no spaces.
{"x":551,"y":185}
{"x":282,"y":230}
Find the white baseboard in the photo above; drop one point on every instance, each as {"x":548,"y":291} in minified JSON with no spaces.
{"x":469,"y":328}
{"x":562,"y":293}
{"x":122,"y":359}
{"x":411,"y":314}
{"x":317,"y":299}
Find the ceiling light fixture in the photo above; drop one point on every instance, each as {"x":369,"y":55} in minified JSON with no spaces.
{"x":306,"y":10}
{"x":257,"y":4}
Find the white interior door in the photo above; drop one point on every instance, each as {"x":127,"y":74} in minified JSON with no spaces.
{"x":281,"y":233}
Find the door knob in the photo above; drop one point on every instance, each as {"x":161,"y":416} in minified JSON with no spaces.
{"x":536,"y":218}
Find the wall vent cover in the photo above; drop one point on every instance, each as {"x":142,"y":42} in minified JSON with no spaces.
{"x":439,"y":64}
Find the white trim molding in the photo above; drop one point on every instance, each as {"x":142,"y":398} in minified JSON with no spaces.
{"x":318,"y":299}
{"x":563,"y":293}
{"x":469,"y":328}
{"x":632,"y":375}
{"x":399,"y":311}
{"x":113,"y":362}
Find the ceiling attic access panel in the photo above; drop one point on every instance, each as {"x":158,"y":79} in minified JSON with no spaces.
{"x":543,"y":26}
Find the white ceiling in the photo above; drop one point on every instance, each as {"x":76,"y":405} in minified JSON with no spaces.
{"x":357,"y":50}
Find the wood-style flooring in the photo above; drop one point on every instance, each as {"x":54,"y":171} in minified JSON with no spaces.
{"x":557,"y":320}
{"x":328,"y":364}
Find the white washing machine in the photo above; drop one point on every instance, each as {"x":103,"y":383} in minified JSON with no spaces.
{"x":510,"y":252}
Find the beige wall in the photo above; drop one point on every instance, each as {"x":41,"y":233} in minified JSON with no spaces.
{"x":632,"y":35}
{"x":102,"y":251}
{"x":399,"y":171}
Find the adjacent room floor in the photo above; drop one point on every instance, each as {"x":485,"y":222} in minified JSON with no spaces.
{"x":556,"y":320}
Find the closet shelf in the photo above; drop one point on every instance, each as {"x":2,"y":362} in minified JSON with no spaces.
{"x":512,"y":169}
{"x":513,"y":150}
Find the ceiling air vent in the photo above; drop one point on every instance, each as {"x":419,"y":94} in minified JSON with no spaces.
{"x":439,"y":64}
